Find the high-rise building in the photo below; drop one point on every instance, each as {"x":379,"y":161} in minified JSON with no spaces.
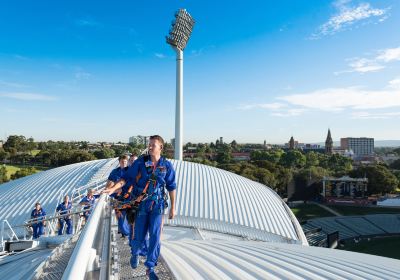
{"x":329,"y":143}
{"x":361,"y":146}
{"x":139,"y":140}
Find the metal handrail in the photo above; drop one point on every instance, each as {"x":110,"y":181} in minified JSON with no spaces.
{"x":2,"y":233}
{"x":83,"y":252}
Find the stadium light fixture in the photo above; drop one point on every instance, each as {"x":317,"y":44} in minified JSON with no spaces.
{"x":178,"y":37}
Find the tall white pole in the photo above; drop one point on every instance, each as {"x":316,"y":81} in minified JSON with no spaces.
{"x":179,"y":105}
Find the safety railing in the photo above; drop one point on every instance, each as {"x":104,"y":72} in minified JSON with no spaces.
{"x":76,"y":195}
{"x":83,"y":258}
{"x":5,"y":223}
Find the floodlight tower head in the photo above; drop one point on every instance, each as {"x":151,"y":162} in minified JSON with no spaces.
{"x":181,"y":30}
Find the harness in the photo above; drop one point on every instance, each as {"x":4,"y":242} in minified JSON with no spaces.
{"x":38,"y":216}
{"x":65,"y":210}
{"x":132,"y":205}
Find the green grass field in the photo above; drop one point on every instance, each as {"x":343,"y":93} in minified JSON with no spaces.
{"x":35,"y":152}
{"x":385,"y":247}
{"x":305,"y":212}
{"x":354,"y":210}
{"x":11,"y":169}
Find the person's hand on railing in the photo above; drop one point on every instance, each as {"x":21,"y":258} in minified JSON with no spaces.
{"x":107,"y":191}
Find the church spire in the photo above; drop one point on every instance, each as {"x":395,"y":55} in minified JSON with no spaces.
{"x":291,"y":143}
{"x":329,"y":143}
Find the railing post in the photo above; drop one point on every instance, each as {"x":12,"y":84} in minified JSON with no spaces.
{"x":79,"y":261}
{"x":2,"y":236}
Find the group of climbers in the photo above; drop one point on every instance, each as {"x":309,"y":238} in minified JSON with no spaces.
{"x":64,"y":210}
{"x":142,"y":190}
{"x":140,"y":187}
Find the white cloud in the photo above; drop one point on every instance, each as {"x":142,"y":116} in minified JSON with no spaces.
{"x":270,"y":106}
{"x":82,"y":75}
{"x":14,"y":85}
{"x":87,"y":22}
{"x":374,"y":64}
{"x":27,"y":96}
{"x":201,"y":51}
{"x":389,"y":55}
{"x":289,"y":113}
{"x":364,"y":65}
{"x":349,"y":15}
{"x":159,"y":55}
{"x":20,"y":57}
{"x":335,"y":99}
{"x":395,"y":83}
{"x":277,"y":109}
{"x":12,"y":110}
{"x":369,"y":115}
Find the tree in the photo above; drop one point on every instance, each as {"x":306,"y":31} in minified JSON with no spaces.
{"x":380,"y":179}
{"x":292,"y":159}
{"x":15,"y":142}
{"x":312,"y":159}
{"x":3,"y":174}
{"x":80,"y":156}
{"x":284,"y":176}
{"x":395,"y":164}
{"x":23,"y":172}
{"x":234,"y":146}
{"x":224,"y":154}
{"x":3,"y":154}
{"x":30,"y":144}
{"x":104,"y":153}
{"x":44,"y":157}
{"x":339,"y":164}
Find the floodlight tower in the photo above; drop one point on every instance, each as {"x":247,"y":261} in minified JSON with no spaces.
{"x":178,"y":37}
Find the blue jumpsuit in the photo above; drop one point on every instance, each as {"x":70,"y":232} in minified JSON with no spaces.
{"x":38,"y":225}
{"x":64,"y":209}
{"x":151,"y":210}
{"x":89,"y":205}
{"x":123,"y":225}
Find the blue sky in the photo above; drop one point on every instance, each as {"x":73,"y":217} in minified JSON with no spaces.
{"x":253,"y":70}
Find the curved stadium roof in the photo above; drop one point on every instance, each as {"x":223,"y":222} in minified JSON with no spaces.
{"x":18,"y":197}
{"x":207,"y":198}
{"x":217,"y":213}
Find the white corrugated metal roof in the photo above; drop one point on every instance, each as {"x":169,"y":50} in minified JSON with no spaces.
{"x":22,"y":265}
{"x":17,"y":198}
{"x":218,"y":259}
{"x":207,"y":197}
{"x":218,"y":200}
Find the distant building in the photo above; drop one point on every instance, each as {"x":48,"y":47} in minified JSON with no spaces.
{"x":291,"y":143}
{"x":139,"y":140}
{"x":361,"y":146}
{"x":241,"y":156}
{"x":329,"y":143}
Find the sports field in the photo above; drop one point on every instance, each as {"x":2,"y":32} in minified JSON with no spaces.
{"x":385,"y":247}
{"x":355,"y":210}
{"x":305,"y":212}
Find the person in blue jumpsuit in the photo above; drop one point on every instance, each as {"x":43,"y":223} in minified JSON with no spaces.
{"x":159,"y":176}
{"x":37,"y":225}
{"x":88,"y":202}
{"x":114,"y":177}
{"x":132,"y":159}
{"x":64,"y":208}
